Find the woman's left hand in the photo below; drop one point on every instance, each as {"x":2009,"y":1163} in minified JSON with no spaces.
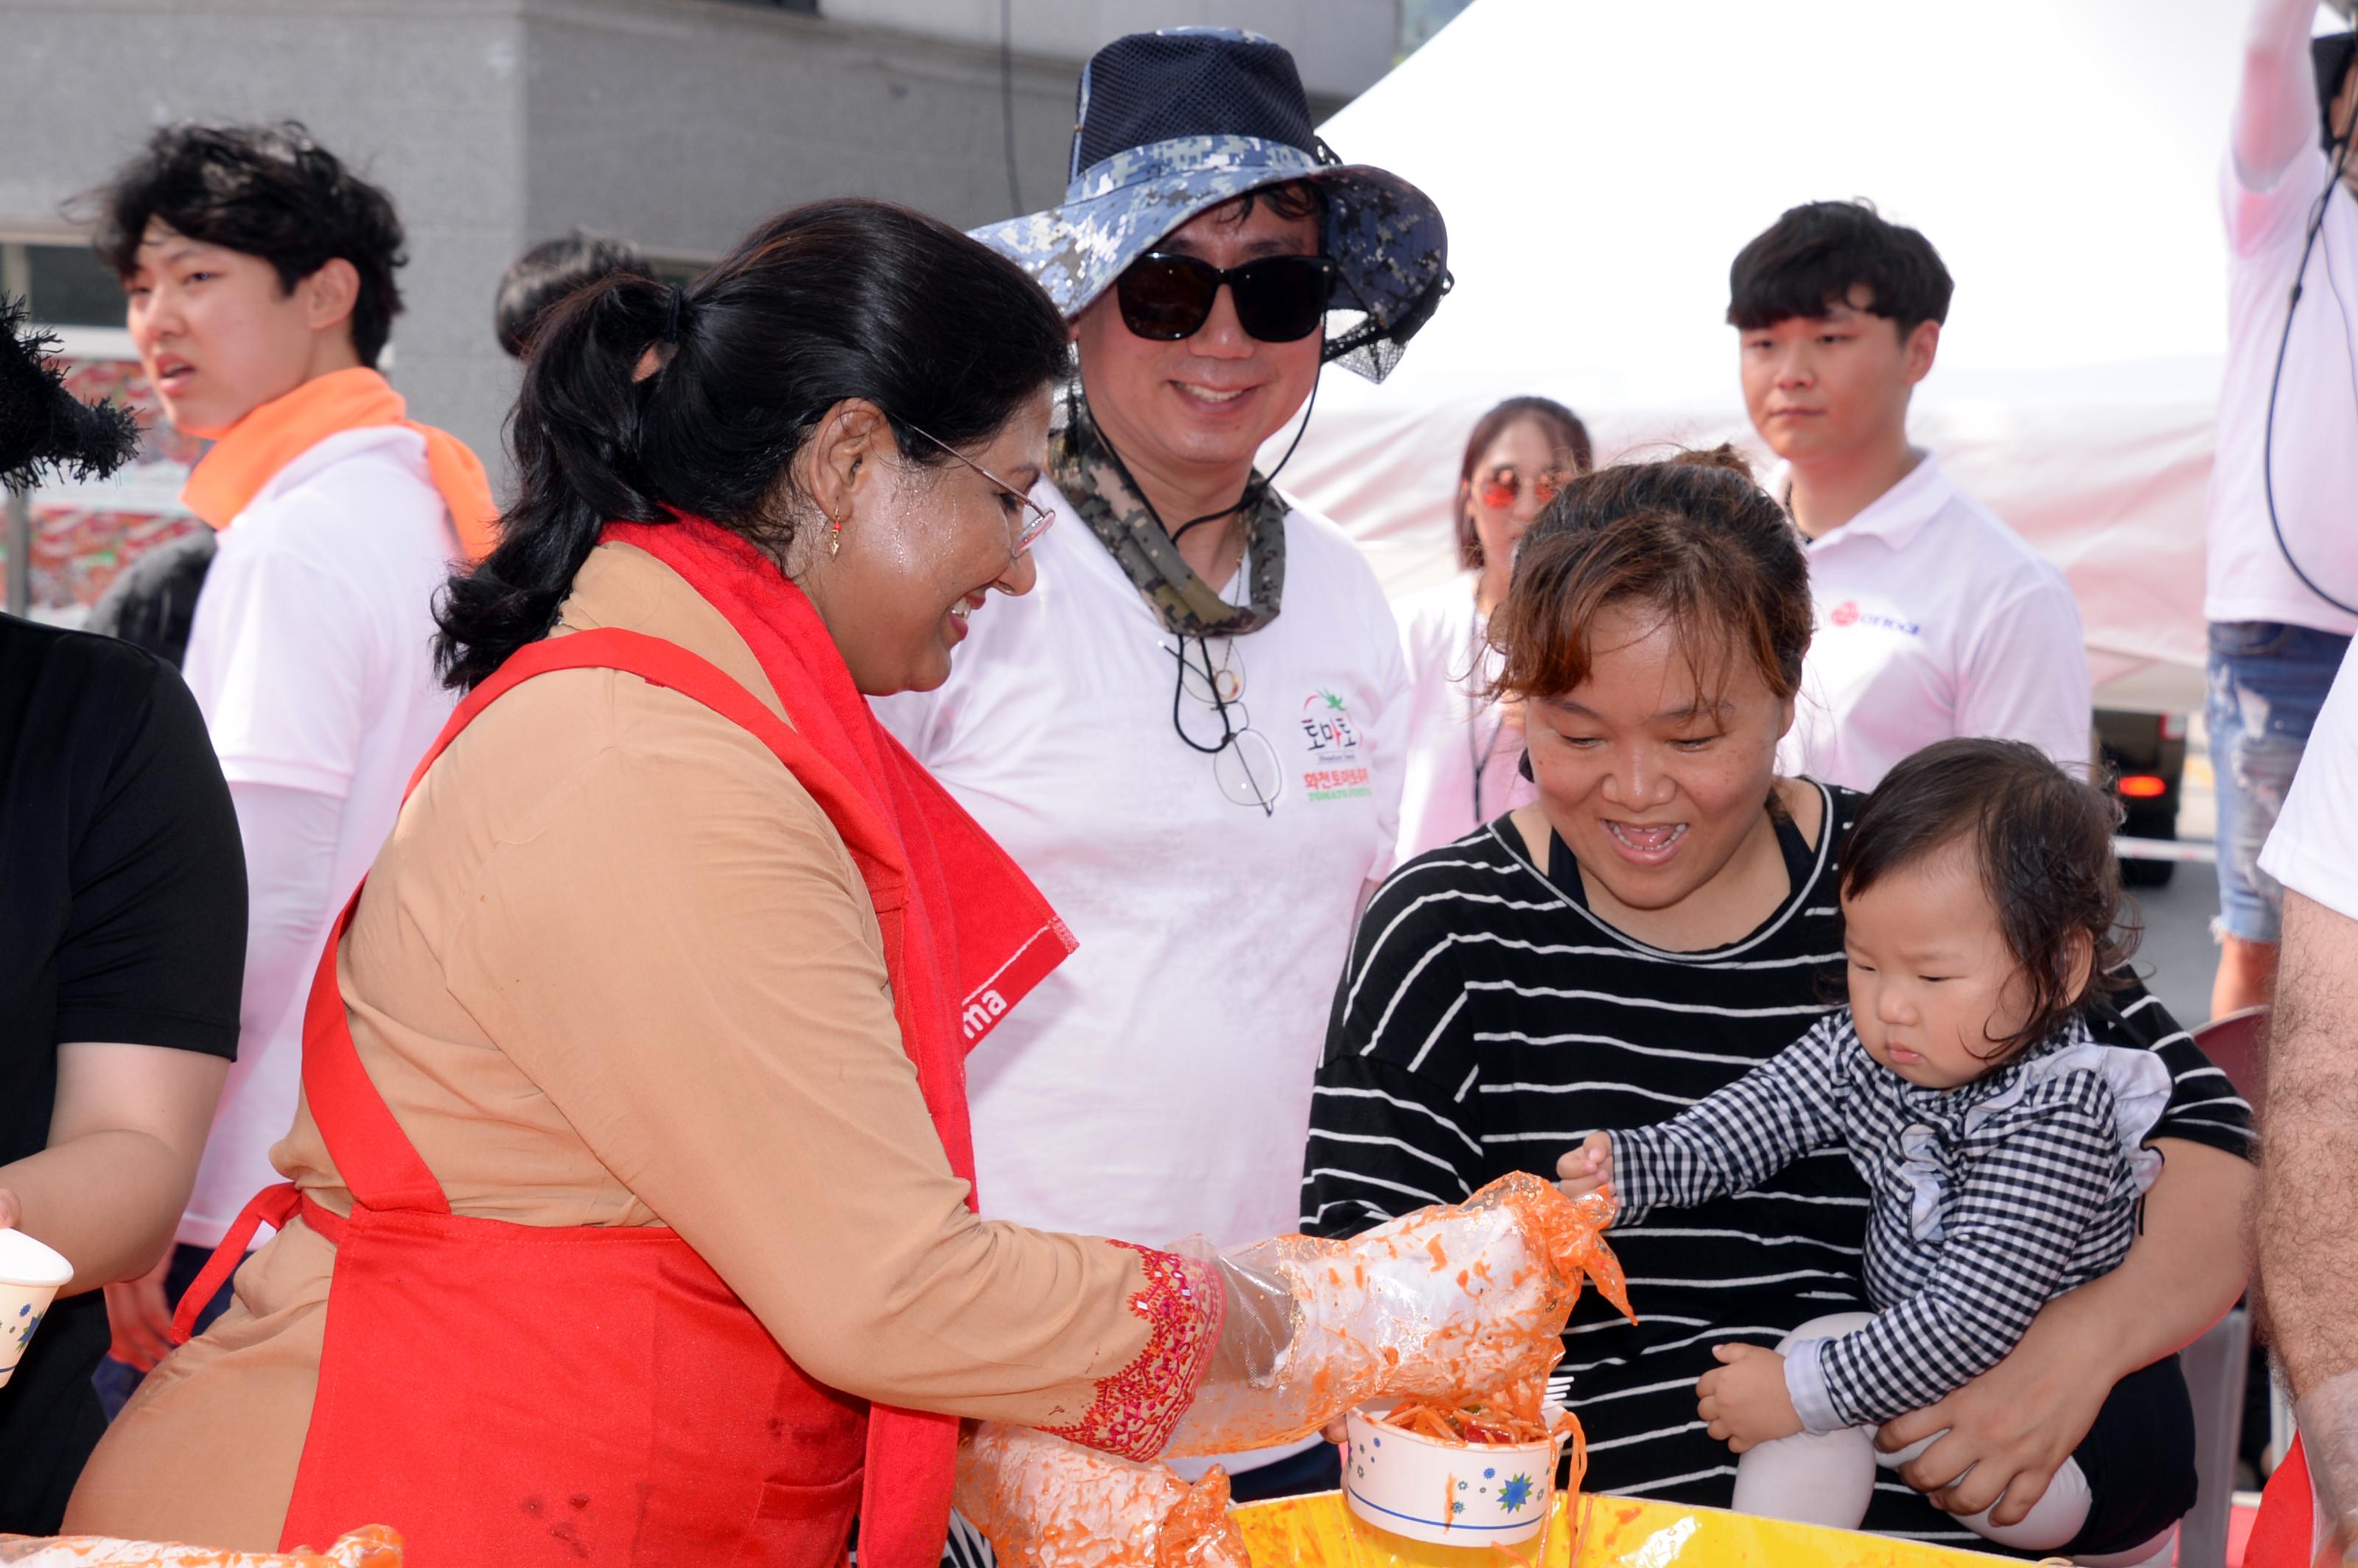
{"x":2008,"y":1431}
{"x":1744,"y":1400}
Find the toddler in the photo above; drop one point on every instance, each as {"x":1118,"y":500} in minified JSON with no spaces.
{"x":2004,"y":1150}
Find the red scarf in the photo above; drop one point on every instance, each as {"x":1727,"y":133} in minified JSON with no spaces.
{"x":975,"y":936}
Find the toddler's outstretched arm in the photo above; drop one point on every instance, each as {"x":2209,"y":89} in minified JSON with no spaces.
{"x":1736,"y":1139}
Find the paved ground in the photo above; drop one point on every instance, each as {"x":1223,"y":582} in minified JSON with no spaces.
{"x":2177,"y":958}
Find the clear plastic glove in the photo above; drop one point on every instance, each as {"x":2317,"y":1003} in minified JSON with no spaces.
{"x":374,"y":1546}
{"x":1451,"y":1302}
{"x":1046,"y":1503}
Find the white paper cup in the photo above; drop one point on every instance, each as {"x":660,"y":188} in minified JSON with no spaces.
{"x":30,"y":1276}
{"x":1452,"y":1494}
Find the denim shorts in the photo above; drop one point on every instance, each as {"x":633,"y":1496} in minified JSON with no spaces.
{"x":2268,"y":681}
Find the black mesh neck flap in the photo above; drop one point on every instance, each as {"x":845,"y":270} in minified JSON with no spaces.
{"x":1188,"y":82}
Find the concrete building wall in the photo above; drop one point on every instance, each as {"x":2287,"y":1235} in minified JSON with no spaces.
{"x":676,"y":124}
{"x":1341,"y":46}
{"x":425,"y":95}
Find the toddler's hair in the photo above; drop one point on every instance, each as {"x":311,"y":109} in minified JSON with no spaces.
{"x":2044,"y":842}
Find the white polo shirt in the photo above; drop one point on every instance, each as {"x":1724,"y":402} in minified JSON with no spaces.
{"x":311,"y":657}
{"x":2313,"y":849}
{"x":1462,"y":760}
{"x":1934,"y":620}
{"x":2317,"y":406}
{"x":1157,"y":1085}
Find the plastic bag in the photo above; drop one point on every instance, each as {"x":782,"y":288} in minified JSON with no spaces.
{"x":1451,"y":1302}
{"x":373,"y":1547}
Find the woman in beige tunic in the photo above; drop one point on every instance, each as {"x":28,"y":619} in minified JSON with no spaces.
{"x":617,"y":968}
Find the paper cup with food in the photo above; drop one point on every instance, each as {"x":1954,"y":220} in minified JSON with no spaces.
{"x":30,"y":1276}
{"x":1472,"y":1476}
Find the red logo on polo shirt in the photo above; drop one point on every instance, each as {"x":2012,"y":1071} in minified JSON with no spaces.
{"x":1845,"y":615}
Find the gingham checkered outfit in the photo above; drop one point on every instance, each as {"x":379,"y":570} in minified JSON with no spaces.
{"x":1988,"y":1200}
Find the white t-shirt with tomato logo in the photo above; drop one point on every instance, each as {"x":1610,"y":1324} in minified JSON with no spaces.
{"x":1934,"y":620}
{"x":1157,"y":1085}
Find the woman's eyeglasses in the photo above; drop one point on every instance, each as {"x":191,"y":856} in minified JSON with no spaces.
{"x":1244,"y":764}
{"x":1034,"y":517}
{"x":1280,"y":299}
{"x":1502,"y":487}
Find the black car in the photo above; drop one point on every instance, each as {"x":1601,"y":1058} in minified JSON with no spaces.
{"x":2146,"y":755}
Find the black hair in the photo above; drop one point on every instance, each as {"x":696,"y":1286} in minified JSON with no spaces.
{"x":548,"y":272}
{"x":2042,"y":842}
{"x":1809,"y":259}
{"x":1691,"y":537}
{"x":267,"y":190}
{"x":827,"y":302}
{"x":2332,"y":57}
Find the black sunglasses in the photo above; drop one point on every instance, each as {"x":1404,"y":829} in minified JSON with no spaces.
{"x":1280,"y":299}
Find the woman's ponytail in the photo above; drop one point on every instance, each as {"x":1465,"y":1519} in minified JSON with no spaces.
{"x":834,"y":301}
{"x":574,"y":433}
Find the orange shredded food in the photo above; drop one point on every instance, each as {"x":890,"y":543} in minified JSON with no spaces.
{"x":1513,"y":1415}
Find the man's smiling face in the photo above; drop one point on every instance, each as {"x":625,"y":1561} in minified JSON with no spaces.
{"x":1206,"y":402}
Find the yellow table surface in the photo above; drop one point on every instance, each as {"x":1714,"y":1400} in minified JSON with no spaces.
{"x":1583,"y":1532}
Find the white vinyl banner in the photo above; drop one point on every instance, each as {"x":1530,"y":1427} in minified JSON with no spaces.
{"x":1601,"y":163}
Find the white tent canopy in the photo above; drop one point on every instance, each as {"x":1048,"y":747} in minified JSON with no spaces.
{"x":1600,"y":164}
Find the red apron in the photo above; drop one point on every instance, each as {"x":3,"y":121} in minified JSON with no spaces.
{"x":510,"y":1395}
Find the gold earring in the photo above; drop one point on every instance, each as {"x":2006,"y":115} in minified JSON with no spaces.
{"x":835,"y":537}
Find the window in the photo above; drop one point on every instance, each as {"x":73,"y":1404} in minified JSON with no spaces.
{"x":64,"y":281}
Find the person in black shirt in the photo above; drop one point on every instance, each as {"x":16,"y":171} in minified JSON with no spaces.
{"x":1663,"y":921}
{"x":122,"y":949}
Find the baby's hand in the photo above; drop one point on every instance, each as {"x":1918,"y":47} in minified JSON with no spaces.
{"x":1586,"y":1168}
{"x":1745,"y":1399}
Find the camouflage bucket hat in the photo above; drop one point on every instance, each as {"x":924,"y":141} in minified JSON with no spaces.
{"x":1173,"y":123}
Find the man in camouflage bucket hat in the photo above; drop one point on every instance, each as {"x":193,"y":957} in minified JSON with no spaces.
{"x":1189,"y":733}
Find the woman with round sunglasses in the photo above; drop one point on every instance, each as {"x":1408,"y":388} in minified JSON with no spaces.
{"x":1188,"y":734}
{"x":1465,"y":751}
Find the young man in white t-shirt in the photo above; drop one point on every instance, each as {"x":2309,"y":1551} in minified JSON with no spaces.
{"x":259,"y":277}
{"x":2282,"y":566}
{"x":1934,"y":618}
{"x":1189,"y":733}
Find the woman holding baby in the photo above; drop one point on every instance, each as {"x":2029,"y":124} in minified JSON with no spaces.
{"x":1669,"y":917}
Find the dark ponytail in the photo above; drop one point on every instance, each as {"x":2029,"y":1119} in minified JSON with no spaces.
{"x":834,"y":300}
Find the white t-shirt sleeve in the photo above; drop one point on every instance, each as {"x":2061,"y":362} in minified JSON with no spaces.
{"x":2314,"y":848}
{"x":2262,"y":221}
{"x":289,"y":657}
{"x":2026,"y":678}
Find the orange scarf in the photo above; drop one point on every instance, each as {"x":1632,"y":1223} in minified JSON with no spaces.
{"x":227,"y":479}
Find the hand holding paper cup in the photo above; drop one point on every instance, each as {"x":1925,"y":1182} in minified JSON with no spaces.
{"x":30,"y":1276}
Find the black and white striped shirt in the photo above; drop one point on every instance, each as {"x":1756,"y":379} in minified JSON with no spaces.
{"x":1488,"y":1022}
{"x":1989,"y":1200}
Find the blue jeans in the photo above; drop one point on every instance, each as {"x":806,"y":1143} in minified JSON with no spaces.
{"x":2268,"y":681}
